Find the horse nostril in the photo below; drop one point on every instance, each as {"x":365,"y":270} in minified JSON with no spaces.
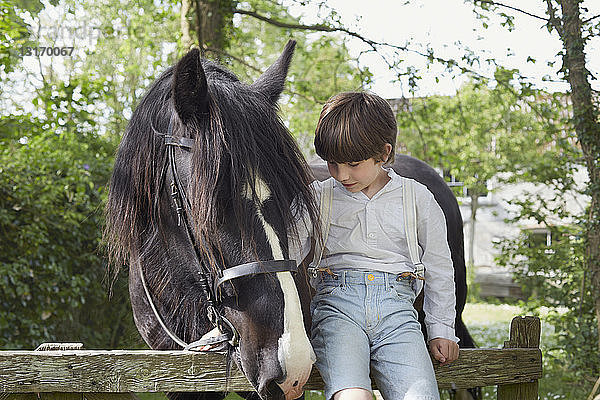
{"x":295,"y":384}
{"x":270,"y":390}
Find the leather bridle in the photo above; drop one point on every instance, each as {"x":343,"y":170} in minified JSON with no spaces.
{"x":209,"y":292}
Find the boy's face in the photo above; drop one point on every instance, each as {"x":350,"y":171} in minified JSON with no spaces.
{"x":366,"y":176}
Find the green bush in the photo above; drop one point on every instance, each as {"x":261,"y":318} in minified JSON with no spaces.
{"x":52,"y":184}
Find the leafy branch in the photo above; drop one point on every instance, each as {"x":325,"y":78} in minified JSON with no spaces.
{"x":375,"y":46}
{"x":494,"y":3}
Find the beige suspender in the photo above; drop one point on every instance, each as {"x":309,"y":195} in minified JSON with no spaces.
{"x":409,"y":205}
{"x":325,"y":218}
{"x":410,"y":226}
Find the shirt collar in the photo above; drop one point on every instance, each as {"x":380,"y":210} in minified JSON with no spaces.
{"x":394,"y":183}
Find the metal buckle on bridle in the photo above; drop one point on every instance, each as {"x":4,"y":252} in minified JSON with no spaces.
{"x":235,"y":336}
{"x":224,"y":325}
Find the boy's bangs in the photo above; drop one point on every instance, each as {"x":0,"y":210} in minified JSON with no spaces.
{"x":354,"y":126}
{"x":343,"y":147}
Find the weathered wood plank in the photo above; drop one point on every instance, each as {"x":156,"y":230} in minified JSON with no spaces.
{"x":93,"y":371}
{"x":114,"y":371}
{"x":478,"y":368}
{"x":68,"y":396}
{"x":18,"y":396}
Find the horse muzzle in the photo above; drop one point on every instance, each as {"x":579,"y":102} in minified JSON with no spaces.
{"x":292,"y":392}
{"x":274,"y":391}
{"x":297,"y":358}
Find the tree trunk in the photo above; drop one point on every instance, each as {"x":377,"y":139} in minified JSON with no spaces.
{"x":587,"y":127}
{"x":213,"y":23}
{"x":186,"y":39}
{"x":472,"y":222}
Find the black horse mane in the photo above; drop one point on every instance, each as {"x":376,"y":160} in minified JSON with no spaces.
{"x":239,"y":139}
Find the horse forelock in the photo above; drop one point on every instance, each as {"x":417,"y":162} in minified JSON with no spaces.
{"x":244,"y":139}
{"x":132,"y":200}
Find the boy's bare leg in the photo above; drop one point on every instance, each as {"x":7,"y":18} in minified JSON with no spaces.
{"x":353,"y":394}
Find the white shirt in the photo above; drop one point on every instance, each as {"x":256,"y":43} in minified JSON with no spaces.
{"x":368,"y":235}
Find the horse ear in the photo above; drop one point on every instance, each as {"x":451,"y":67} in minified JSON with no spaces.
{"x":272,"y":80}
{"x":190,"y":90}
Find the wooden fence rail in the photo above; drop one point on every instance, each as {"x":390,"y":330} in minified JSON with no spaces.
{"x":113,"y":374}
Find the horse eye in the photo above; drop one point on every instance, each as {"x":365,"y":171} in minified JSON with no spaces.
{"x":227,"y":290}
{"x":231,"y":288}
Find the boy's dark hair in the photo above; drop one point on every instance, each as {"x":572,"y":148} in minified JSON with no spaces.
{"x":355,"y":126}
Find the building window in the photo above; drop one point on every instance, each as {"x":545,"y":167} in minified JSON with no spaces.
{"x":540,"y":238}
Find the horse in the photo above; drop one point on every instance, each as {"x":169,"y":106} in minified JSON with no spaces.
{"x":420,"y":171}
{"x":199,"y":207}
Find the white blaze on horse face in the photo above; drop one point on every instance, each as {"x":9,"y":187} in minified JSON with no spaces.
{"x":296,"y":354}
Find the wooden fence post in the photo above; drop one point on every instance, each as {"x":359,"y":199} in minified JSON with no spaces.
{"x":524,"y":333}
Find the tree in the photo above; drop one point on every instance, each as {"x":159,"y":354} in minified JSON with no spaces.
{"x":585,"y":121}
{"x":483,"y":134}
{"x":15,"y":34}
{"x":565,"y":17}
{"x":130,"y":52}
{"x":54,"y":169}
{"x":211,"y":24}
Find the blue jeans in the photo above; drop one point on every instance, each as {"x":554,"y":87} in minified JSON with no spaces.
{"x":364,"y":323}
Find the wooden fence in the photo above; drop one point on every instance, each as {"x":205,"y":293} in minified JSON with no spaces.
{"x":116,"y":374}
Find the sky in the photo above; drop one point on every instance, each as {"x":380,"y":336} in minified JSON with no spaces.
{"x":450,"y":25}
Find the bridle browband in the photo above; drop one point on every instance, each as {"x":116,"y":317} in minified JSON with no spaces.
{"x":209,"y":292}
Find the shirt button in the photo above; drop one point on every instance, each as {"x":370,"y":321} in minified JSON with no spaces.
{"x":371,"y":235}
{"x":370,"y":277}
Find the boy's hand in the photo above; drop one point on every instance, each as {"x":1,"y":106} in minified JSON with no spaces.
{"x":443,"y":350}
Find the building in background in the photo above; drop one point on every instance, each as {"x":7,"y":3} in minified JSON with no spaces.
{"x":491,"y":227}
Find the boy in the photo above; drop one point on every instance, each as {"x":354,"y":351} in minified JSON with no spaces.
{"x":363,"y":317}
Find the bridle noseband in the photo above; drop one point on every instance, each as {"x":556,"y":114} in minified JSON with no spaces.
{"x":209,"y":292}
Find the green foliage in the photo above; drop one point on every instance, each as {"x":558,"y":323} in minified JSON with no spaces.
{"x":489,"y":326}
{"x":320,"y":67}
{"x":135,"y":44}
{"x":555,"y":276}
{"x":483,"y":131}
{"x":52,"y":184}
{"x":15,"y":35}
{"x":54,"y":167}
